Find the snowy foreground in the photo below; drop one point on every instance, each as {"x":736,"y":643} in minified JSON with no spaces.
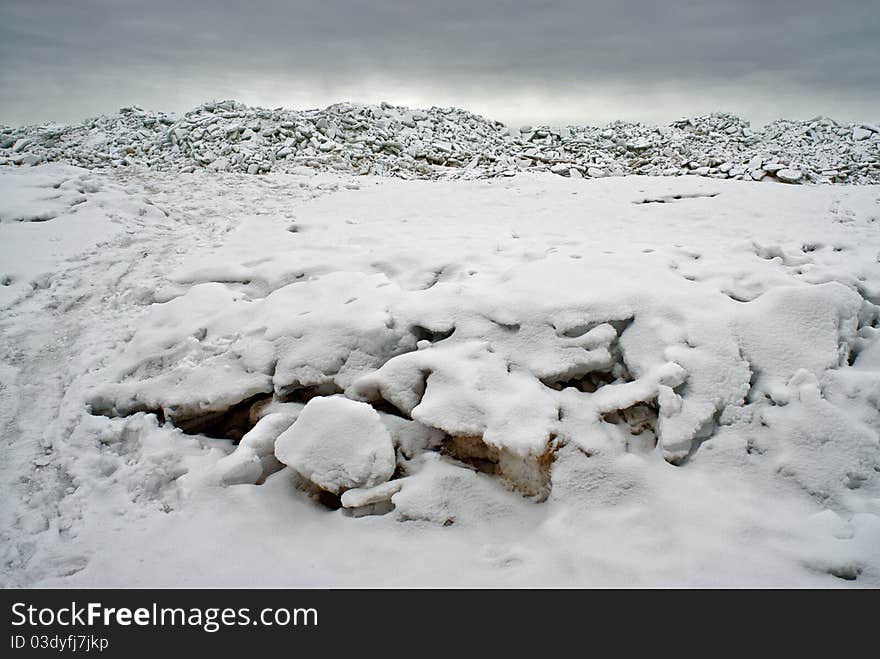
{"x":325,"y":380}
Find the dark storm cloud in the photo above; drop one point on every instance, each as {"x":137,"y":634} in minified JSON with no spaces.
{"x":576,"y":61}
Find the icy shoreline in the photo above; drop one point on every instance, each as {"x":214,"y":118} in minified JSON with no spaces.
{"x":449,"y":142}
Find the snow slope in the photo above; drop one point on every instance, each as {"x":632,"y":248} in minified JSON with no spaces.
{"x":560,"y":381}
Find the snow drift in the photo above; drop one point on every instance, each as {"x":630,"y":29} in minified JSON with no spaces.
{"x":535,"y":380}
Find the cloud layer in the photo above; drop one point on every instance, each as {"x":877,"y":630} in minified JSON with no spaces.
{"x":565,"y":61}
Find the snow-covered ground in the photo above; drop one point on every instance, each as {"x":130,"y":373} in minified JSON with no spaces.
{"x":532,"y":380}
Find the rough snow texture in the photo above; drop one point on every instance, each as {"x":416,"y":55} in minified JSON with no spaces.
{"x":532,"y":380}
{"x":51,"y":214}
{"x":438,"y":142}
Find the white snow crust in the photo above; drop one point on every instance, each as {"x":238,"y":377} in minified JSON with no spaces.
{"x":528,"y":380}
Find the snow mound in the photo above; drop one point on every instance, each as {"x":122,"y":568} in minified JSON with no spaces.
{"x":227,"y":136}
{"x":497,"y":367}
{"x":338,"y":444}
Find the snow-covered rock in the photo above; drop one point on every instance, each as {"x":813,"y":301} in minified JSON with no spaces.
{"x":338,"y":444}
{"x":789,"y":175}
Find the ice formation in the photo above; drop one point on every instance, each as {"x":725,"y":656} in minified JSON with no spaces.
{"x":438,"y":142}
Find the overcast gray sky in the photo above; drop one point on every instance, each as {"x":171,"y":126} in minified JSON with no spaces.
{"x":578,"y":61}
